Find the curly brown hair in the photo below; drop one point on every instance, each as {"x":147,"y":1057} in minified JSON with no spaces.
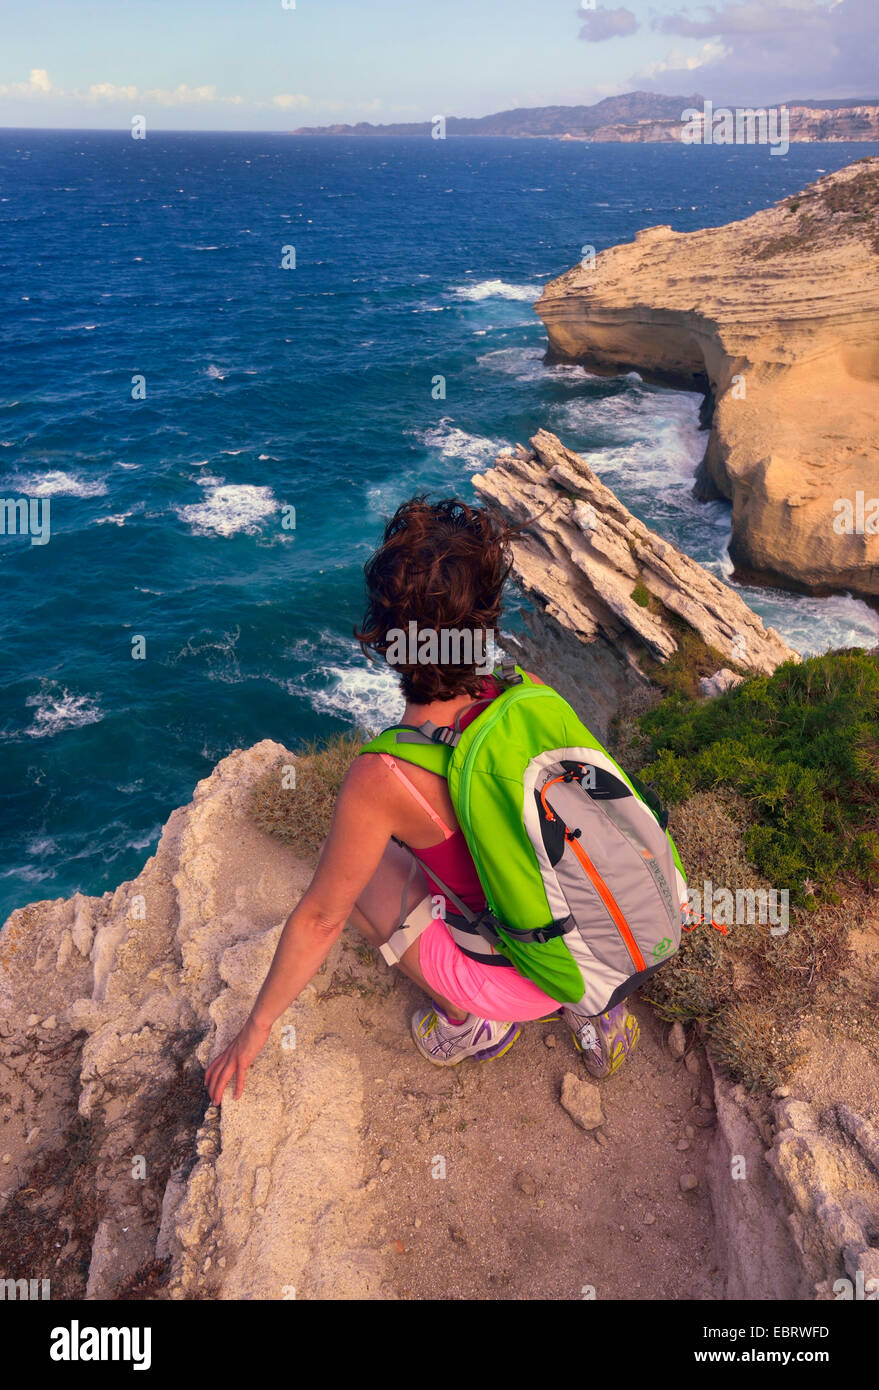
{"x":441,"y":566}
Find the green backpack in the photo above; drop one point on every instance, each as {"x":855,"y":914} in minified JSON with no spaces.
{"x":585,"y":889}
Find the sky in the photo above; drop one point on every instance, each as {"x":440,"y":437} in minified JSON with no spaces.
{"x":279,"y":64}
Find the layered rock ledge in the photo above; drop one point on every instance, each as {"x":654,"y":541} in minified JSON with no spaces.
{"x":775,"y":318}
{"x":119,"y":1177}
{"x":604,"y":577}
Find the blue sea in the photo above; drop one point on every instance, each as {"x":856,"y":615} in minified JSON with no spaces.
{"x":175,"y":392}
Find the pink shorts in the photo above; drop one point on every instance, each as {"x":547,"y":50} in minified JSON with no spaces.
{"x":489,"y":991}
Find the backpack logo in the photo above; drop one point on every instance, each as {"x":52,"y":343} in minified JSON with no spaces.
{"x":662,"y":947}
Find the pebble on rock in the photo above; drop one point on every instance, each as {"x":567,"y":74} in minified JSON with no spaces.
{"x":549,"y":1040}
{"x":688,"y":1182}
{"x":526,"y":1184}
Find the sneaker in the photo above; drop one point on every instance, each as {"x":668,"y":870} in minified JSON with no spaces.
{"x":605,"y":1040}
{"x":445,"y":1043}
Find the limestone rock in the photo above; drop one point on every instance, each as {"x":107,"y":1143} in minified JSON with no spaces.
{"x":719,"y":683}
{"x":865,"y":1134}
{"x":603,"y":574}
{"x":775,"y":318}
{"x":677,"y":1039}
{"x":582,"y":1100}
{"x":157,"y":978}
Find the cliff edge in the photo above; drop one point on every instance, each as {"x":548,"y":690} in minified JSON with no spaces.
{"x":775,"y":317}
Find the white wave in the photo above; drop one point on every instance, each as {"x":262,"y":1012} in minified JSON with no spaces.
{"x":474,"y":450}
{"x":645,"y":437}
{"x":77,"y":327}
{"x":498,"y":289}
{"x":810,"y":625}
{"x":55,"y":483}
{"x":215,"y":372}
{"x":120,"y":464}
{"x":41,"y":844}
{"x":146,"y":840}
{"x":527,"y":364}
{"x":56,"y":710}
{"x":369,"y":699}
{"x":27,"y":873}
{"x":119,"y":519}
{"x":228,"y":509}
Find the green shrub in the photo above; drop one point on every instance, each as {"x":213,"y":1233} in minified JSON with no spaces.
{"x":802,"y":748}
{"x":641,"y":595}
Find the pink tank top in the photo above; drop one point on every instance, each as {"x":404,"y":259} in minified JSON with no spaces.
{"x":451,"y":859}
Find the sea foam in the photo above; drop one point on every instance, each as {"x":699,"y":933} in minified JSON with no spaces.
{"x":55,"y":483}
{"x":229,"y":508}
{"x":498,"y":289}
{"x":56,"y":709}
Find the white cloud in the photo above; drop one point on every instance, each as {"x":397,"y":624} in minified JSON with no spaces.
{"x":286,"y":100}
{"x":184,"y":95}
{"x":38,"y":85}
{"x":774,"y":50}
{"x":676,"y":61}
{"x":109,"y":91}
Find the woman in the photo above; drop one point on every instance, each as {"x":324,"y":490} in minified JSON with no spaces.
{"x":444,"y":566}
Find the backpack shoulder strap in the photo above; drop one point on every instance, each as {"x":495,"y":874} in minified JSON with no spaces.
{"x":430,"y":745}
{"x":412,"y":745}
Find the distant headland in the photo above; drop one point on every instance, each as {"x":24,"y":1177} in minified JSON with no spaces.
{"x":633,"y":117}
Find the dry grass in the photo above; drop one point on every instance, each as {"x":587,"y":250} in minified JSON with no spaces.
{"x":846,"y":209}
{"x":749,"y":990}
{"x":300,"y":815}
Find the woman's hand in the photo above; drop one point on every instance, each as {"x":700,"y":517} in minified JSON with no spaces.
{"x":235,"y":1061}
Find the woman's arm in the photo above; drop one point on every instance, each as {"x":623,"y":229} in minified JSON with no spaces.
{"x":359,"y":833}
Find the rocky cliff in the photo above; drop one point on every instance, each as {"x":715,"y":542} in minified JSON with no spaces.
{"x":117,"y":1178}
{"x":775,"y":317}
{"x":805,"y":122}
{"x":628,"y":597}
{"x":352,"y":1169}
